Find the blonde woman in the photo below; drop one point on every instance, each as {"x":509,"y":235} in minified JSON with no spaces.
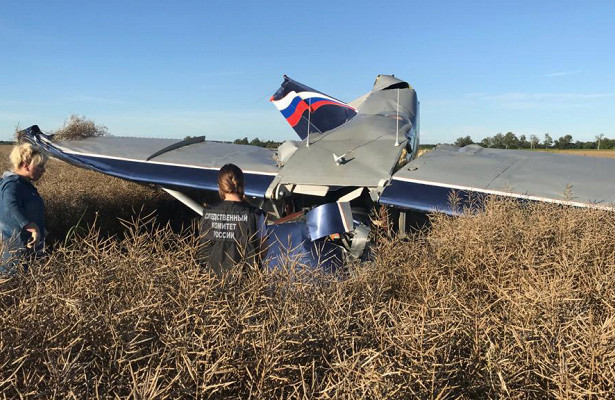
{"x":22,"y":212}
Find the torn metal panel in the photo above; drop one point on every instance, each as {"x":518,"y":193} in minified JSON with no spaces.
{"x":286,"y":150}
{"x":289,"y":246}
{"x":329,"y":219}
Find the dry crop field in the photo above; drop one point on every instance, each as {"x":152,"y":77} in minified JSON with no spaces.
{"x":514,"y":302}
{"x":588,"y":153}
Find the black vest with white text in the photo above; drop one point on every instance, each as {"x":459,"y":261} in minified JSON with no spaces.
{"x":230,"y":235}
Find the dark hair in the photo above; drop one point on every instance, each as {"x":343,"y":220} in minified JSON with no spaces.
{"x":230,"y":180}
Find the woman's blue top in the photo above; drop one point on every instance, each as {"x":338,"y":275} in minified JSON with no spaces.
{"x":20,"y":204}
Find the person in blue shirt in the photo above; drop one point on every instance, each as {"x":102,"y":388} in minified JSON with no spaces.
{"x":22,"y":211}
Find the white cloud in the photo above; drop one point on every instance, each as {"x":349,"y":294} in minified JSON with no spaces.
{"x":561,"y":73}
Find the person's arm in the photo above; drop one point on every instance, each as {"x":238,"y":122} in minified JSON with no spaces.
{"x":262,"y":235}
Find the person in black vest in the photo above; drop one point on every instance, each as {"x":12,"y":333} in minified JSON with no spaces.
{"x":232,"y":231}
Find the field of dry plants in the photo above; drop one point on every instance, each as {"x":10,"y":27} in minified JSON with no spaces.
{"x":587,"y":153}
{"x":515,"y":302}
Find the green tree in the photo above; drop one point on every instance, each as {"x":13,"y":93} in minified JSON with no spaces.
{"x":563,"y":142}
{"x":548,"y":142}
{"x":498,"y":141}
{"x":510,"y":141}
{"x":242,"y":141}
{"x":487,"y":142}
{"x":607,"y":144}
{"x":270,"y":144}
{"x":464,"y":141}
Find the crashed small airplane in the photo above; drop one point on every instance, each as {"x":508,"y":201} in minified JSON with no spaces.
{"x":351,"y":156}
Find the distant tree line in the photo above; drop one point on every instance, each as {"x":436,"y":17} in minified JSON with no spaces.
{"x":269,"y":144}
{"x":511,"y":141}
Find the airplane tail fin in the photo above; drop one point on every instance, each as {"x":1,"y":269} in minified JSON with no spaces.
{"x":304,"y":107}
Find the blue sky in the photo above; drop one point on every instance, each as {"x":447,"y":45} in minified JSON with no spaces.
{"x":178,"y":68}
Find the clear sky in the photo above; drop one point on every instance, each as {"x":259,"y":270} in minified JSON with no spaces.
{"x":177,"y":68}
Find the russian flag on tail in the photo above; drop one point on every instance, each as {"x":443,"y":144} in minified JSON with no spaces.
{"x":303,"y":106}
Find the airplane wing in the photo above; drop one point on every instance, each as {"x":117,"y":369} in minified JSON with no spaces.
{"x":193,"y":163}
{"x":427,"y":183}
